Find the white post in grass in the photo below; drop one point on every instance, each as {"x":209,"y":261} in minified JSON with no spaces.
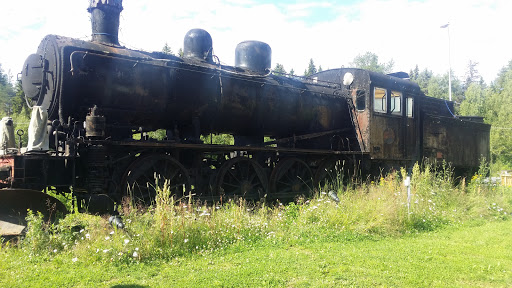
{"x":407,"y":183}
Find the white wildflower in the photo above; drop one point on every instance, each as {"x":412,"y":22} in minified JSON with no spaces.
{"x":111,"y":232}
{"x":54,"y":250}
{"x":107,"y":238}
{"x":82,"y":230}
{"x":87,"y":236}
{"x":74,"y":259}
{"x":186,"y":240}
{"x":106,"y":250}
{"x":135,"y":254}
{"x":126,"y":241}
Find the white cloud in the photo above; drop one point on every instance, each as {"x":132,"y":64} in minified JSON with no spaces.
{"x":406,"y":31}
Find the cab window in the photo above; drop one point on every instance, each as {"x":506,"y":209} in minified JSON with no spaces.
{"x":380,"y":100}
{"x":409,"y":107}
{"x":360,"y":100}
{"x":396,"y":102}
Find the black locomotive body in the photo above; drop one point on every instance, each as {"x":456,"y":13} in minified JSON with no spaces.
{"x":98,"y":95}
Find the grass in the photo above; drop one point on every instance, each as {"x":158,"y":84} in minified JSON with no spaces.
{"x":372,"y":237}
{"x":471,"y":256}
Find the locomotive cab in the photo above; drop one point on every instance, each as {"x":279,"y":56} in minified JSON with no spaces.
{"x":397,"y":125}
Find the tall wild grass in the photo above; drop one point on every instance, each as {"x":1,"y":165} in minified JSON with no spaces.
{"x":172,"y":228}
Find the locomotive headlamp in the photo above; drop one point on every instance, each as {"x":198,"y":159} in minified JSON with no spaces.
{"x":348,"y":78}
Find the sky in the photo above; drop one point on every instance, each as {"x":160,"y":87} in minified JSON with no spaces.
{"x":331,"y":32}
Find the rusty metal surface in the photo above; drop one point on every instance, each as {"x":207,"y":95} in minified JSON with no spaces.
{"x":7,"y":170}
{"x":461,"y":143}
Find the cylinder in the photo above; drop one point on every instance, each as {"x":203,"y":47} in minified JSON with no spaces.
{"x":198,"y":44}
{"x":253,"y":55}
{"x":105,"y":20}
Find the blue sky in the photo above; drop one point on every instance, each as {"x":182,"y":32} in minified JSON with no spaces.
{"x":330,"y":32}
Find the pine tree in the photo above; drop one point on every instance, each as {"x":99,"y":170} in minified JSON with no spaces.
{"x":311,"y":68}
{"x":167,"y":49}
{"x":279,"y":70}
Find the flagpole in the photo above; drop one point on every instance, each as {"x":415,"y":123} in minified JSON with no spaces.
{"x":449,"y":63}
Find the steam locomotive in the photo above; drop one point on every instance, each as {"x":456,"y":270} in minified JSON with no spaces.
{"x":96,"y":101}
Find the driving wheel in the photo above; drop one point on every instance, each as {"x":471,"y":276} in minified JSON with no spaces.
{"x":290,"y":178}
{"x":149,"y":173}
{"x":241,"y":176}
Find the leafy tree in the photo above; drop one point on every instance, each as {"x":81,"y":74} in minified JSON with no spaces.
{"x":421,"y":78}
{"x":498,"y":113}
{"x":437,"y":87}
{"x":279,"y":70}
{"x":220,"y":139}
{"x":18,"y":102}
{"x":180,"y":53}
{"x":292,"y":72}
{"x":424,"y":78}
{"x":311,"y":68}
{"x":6,"y":93}
{"x":4,"y":79}
{"x":320,"y":68}
{"x":370,"y":61}
{"x":474,"y":101}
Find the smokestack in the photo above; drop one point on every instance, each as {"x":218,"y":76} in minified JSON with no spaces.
{"x":105,"y":20}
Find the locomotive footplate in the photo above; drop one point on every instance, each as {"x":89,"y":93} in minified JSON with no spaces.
{"x":229,"y":148}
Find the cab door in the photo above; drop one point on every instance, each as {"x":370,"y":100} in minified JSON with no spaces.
{"x":388,"y":124}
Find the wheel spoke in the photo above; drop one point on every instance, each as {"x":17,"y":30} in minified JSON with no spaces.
{"x":233,"y":175}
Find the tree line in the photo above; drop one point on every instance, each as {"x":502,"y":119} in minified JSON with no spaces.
{"x":472,"y":96}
